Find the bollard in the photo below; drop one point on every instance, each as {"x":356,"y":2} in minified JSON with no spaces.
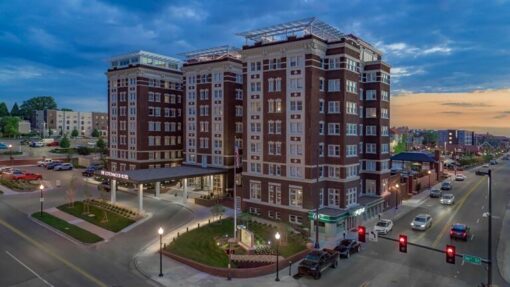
{"x":177,"y":234}
{"x":290,"y":268}
{"x":209,"y":221}
{"x":198,"y":226}
{"x":187,"y":228}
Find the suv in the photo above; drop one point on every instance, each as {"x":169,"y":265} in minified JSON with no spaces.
{"x":383,"y":226}
{"x":317,"y":261}
{"x":63,"y":166}
{"x":435,"y":193}
{"x":482,"y":171}
{"x":446,"y":185}
{"x":348,"y":247}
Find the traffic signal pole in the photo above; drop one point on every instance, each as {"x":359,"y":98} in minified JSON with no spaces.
{"x":489,"y":244}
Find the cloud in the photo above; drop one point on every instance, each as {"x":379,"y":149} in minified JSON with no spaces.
{"x":397,"y":72}
{"x":15,"y":73}
{"x":452,"y":113}
{"x":190,"y":12}
{"x":401,"y":49}
{"x":502,"y":115}
{"x":466,"y":104}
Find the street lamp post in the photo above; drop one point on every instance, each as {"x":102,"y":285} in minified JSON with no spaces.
{"x":429,"y":172}
{"x":396,"y":195}
{"x":489,"y":245}
{"x":277,"y":237}
{"x":41,"y":199}
{"x":160,"y":232}
{"x":10,"y":153}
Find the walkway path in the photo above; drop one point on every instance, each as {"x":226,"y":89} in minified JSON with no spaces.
{"x":101,"y":232}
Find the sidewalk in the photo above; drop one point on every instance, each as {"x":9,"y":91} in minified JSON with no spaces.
{"x":503,"y":253}
{"x":101,"y":232}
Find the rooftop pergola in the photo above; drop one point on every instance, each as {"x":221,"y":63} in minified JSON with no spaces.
{"x":308,"y":26}
{"x":212,"y":54}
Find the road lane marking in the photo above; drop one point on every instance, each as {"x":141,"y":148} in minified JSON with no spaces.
{"x":454,"y":212}
{"x":478,"y":220}
{"x":472,"y":236}
{"x":52,"y":254}
{"x":29,"y":269}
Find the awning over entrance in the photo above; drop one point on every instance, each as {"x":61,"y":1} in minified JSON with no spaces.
{"x":329,"y":215}
{"x":161,"y":174}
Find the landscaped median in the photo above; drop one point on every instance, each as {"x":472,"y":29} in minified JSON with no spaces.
{"x":102,"y":214}
{"x":67,"y":228}
{"x":205,"y":249}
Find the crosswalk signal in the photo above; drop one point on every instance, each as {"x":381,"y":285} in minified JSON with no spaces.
{"x":362,"y":231}
{"x":402,"y":243}
{"x":450,"y":254}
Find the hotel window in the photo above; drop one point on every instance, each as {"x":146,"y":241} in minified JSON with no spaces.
{"x":255,"y":147}
{"x":384,"y":148}
{"x":352,"y":196}
{"x":295,"y":196}
{"x":296,"y":84}
{"x":255,"y":107}
{"x":370,"y":148}
{"x":351,"y":108}
{"x":371,"y":113}
{"x":351,"y":171}
{"x":255,"y":190}
{"x":270,"y":85}
{"x":255,"y":127}
{"x":278,"y":106}
{"x":151,"y":97}
{"x":371,"y":130}
{"x":157,"y":97}
{"x":217,"y":78}
{"x":385,"y":96}
{"x":321,"y":127}
{"x":371,"y":95}
{"x":352,"y":65}
{"x":334,"y":85}
{"x":333,"y":129}
{"x":218,"y":94}
{"x":271,"y":192}
{"x":296,"y":171}
{"x":296,"y":128}
{"x":278,"y":127}
{"x":352,"y":129}
{"x":296,"y":219}
{"x":333,"y":197}
{"x":321,"y":149}
{"x":352,"y":87}
{"x":296,"y":106}
{"x":334,"y":63}
{"x":321,"y":106}
{"x":385,"y":78}
{"x":384,"y":114}
{"x":255,"y":167}
{"x":334,"y":172}
{"x":369,"y":77}
{"x":352,"y":150}
{"x":296,"y":61}
{"x":239,"y":111}
{"x":275,"y":64}
{"x":296,"y":149}
{"x":278,"y":85}
{"x":384,"y":131}
{"x":255,"y":66}
{"x":239,"y":127}
{"x":239,"y":94}
{"x":333,"y":150}
{"x":321,"y":84}
{"x":333,"y":107}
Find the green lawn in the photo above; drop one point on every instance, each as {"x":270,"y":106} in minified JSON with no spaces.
{"x":200,"y":245}
{"x":115,"y":222}
{"x":69,"y":229}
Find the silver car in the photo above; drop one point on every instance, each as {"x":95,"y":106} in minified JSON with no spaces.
{"x":447,"y":199}
{"x":421,"y":222}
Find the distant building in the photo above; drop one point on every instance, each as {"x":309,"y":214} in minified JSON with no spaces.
{"x":100,"y":122}
{"x":56,"y":122}
{"x":455,"y":137}
{"x":24,"y":127}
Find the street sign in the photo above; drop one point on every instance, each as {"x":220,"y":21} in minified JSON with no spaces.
{"x":237,"y":203}
{"x":472,"y":259}
{"x":372,"y":236}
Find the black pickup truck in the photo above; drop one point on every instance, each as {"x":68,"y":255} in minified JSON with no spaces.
{"x":317,"y":261}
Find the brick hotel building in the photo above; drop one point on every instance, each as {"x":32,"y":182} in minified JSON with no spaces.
{"x":145,"y":111}
{"x":314,"y":97}
{"x":213,"y":111}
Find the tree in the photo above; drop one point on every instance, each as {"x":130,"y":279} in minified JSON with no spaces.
{"x":15,"y":112}
{"x":4,"y":112}
{"x":402,"y":144}
{"x":74,"y":133}
{"x":9,"y":126}
{"x":95,"y":133}
{"x":66,"y":110}
{"x":101,"y":145}
{"x":64,"y":142}
{"x":28,"y":107}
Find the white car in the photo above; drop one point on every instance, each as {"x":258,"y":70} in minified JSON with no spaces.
{"x":383,"y":226}
{"x":422,"y":222}
{"x":447,"y":199}
{"x":460,"y":177}
{"x":44,"y":162}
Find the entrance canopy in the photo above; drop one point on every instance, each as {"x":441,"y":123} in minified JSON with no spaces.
{"x":140,"y":176}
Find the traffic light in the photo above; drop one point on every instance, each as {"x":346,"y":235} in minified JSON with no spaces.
{"x":402,"y":243}
{"x":361,"y":233}
{"x":450,"y":254}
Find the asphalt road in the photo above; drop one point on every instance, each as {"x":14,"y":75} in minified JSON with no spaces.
{"x":32,"y":255}
{"x":381,"y":263}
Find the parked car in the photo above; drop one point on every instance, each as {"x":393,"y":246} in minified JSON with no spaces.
{"x":459,"y":231}
{"x":37,"y":144}
{"x":460,"y":177}
{"x":96,"y":166}
{"x":53,"y":164}
{"x":446,"y":185}
{"x":55,"y":143}
{"x":447,"y":199}
{"x":383,"y":226}
{"x":63,"y":166}
{"x":422,"y":222}
{"x":493,"y":162}
{"x":435,"y":193}
{"x":89,"y":172}
{"x":482,"y":171}
{"x":44,"y":162}
{"x":317,"y":261}
{"x":27,"y":176}
{"x":3,"y":146}
{"x":105,"y":185}
{"x":24,"y":142}
{"x":348,"y":247}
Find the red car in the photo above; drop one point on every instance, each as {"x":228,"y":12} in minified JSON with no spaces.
{"x":27,"y":176}
{"x":53,"y":144}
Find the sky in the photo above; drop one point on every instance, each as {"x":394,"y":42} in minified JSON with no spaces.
{"x":61,"y":48}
